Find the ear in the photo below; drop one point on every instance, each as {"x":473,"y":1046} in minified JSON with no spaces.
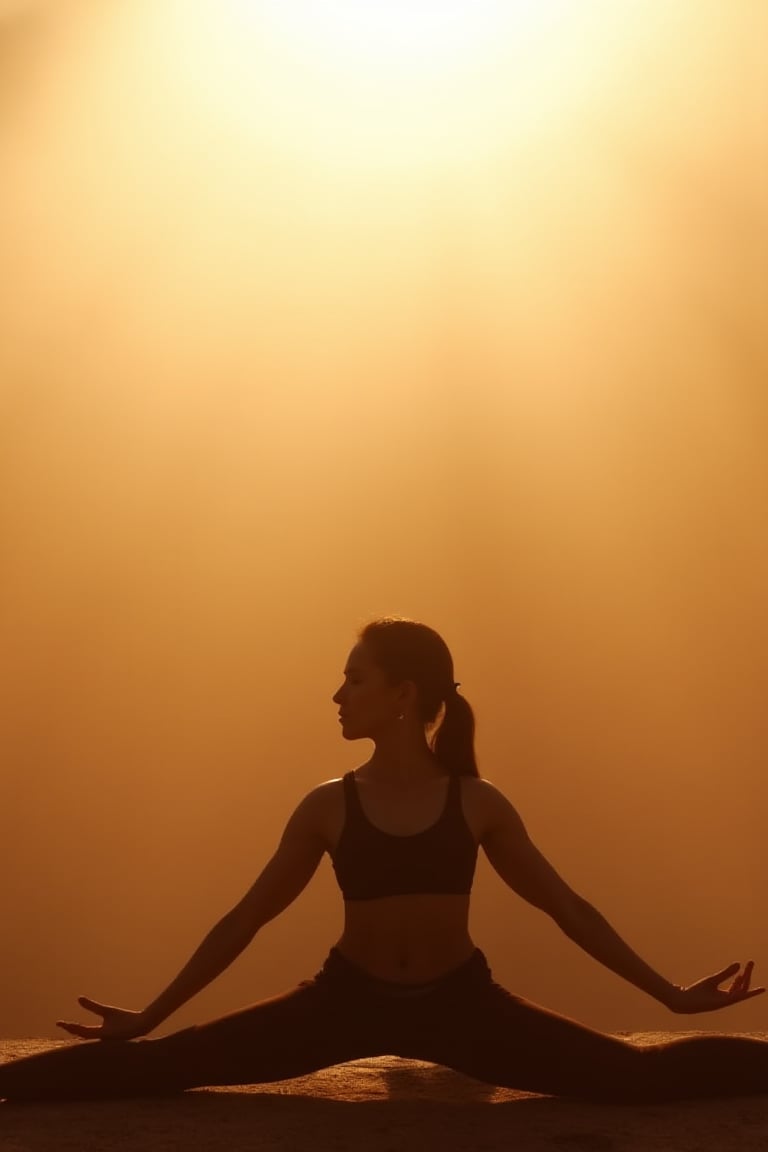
{"x":409,"y":693}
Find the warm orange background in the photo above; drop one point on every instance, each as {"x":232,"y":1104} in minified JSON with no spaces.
{"x":261,"y":380}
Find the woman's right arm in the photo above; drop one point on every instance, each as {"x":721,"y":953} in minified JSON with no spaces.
{"x":283,"y":878}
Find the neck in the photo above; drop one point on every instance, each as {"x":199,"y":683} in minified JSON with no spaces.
{"x":403,"y":758}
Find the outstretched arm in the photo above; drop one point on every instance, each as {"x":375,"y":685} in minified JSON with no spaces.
{"x":521,"y":865}
{"x":281,"y":881}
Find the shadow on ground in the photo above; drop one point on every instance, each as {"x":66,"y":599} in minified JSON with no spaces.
{"x":237,"y":1120}
{"x":380,"y":1104}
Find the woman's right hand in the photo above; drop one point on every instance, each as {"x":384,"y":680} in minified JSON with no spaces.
{"x":117,"y":1023}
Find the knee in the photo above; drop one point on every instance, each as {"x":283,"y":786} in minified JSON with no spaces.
{"x":639,"y":1075}
{"x":625,"y":1075}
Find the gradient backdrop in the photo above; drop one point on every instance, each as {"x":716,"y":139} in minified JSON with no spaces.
{"x":312,"y":312}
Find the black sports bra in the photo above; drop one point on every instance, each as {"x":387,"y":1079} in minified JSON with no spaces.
{"x":370,"y":863}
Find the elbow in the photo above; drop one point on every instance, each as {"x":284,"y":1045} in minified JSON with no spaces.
{"x":574,"y":914}
{"x":251,"y":914}
{"x":239,"y":927}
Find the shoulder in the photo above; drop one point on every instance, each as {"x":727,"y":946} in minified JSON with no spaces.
{"x":320,"y":793}
{"x":323,"y":808}
{"x":488,"y":793}
{"x":489,"y":807}
{"x":311,"y":812}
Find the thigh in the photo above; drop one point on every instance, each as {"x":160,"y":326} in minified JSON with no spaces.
{"x":506,"y":1040}
{"x":297,"y":1032}
{"x":302,"y":1030}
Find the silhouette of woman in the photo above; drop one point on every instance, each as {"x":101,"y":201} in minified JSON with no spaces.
{"x":404,"y":978}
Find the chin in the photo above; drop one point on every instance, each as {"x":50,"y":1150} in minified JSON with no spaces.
{"x":348,"y":732}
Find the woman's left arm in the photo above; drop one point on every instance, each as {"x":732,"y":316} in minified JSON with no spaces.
{"x":520,"y":864}
{"x":591,"y":931}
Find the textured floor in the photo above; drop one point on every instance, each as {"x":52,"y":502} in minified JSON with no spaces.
{"x":378,"y":1105}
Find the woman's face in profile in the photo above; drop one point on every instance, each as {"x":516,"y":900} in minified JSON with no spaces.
{"x":366,"y":700}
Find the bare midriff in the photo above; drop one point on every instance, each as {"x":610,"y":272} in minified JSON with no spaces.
{"x":409,"y":939}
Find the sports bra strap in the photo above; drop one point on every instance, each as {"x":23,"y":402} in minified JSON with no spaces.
{"x":350,"y":792}
{"x":454,"y":794}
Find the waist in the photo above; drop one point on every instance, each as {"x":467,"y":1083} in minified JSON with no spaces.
{"x":406,"y":937}
{"x":339,"y":968}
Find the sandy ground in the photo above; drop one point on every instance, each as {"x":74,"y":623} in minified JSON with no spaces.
{"x":378,"y":1105}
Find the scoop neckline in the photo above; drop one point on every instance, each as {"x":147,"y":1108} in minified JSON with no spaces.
{"x":402,"y":835}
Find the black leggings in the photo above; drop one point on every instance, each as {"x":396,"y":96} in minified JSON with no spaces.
{"x":464,"y":1020}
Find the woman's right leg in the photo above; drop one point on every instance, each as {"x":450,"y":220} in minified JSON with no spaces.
{"x":310,"y":1027}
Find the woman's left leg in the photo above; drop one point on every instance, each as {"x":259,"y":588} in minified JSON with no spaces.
{"x":484,"y":1031}
{"x":524,"y":1046}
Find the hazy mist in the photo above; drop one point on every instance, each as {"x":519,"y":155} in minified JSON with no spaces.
{"x":278,"y":354}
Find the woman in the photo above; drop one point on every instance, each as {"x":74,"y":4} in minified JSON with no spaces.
{"x":404,"y":978}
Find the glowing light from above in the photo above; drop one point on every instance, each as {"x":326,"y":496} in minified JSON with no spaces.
{"x":392,"y":36}
{"x":405,"y":85}
{"x":414,"y":82}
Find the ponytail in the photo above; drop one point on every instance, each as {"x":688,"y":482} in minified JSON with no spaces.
{"x":454,"y":741}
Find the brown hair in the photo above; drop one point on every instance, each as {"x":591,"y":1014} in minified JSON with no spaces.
{"x":407,"y":650}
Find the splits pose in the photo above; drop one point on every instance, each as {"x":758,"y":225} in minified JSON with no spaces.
{"x":404,"y":978}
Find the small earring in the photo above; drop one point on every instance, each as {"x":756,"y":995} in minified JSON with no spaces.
{"x":401,"y":716}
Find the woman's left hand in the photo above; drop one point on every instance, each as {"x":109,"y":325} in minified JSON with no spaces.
{"x":706,"y":995}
